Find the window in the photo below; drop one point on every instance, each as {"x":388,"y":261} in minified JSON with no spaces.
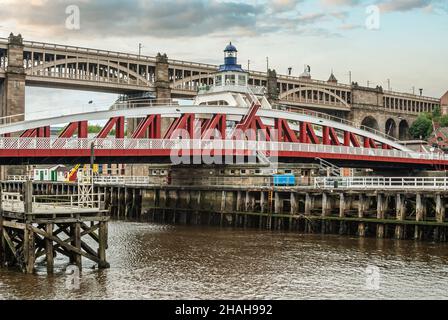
{"x":218,"y":80}
{"x":243,"y":171}
{"x":230,"y":79}
{"x":288,"y":171}
{"x":241,"y":80}
{"x":221,"y":172}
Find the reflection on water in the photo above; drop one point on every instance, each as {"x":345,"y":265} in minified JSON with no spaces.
{"x":165,"y":262}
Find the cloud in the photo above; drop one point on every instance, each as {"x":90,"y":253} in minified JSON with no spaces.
{"x":159,"y":18}
{"x":341,"y":2}
{"x":278,"y":6}
{"x":403,"y":5}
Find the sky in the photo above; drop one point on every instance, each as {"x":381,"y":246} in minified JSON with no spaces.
{"x":375,"y":40}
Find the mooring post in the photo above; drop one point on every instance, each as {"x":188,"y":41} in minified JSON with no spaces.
{"x":342,"y":208}
{"x":419,"y":215}
{"x":75,"y":234}
{"x":49,"y":248}
{"x":102,"y":245}
{"x":401,"y":215}
{"x":28,"y":248}
{"x":361,"y":210}
{"x":380,"y":214}
{"x":223,"y":207}
{"x":440,"y":209}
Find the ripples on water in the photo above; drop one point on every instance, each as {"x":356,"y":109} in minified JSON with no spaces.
{"x":165,"y":262}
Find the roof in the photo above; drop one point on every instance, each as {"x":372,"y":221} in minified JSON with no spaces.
{"x":49,"y":167}
{"x":332,"y":78}
{"x":230,"y":48}
{"x":230,"y":67}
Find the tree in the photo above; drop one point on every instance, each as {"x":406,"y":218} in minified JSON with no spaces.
{"x":421,"y":128}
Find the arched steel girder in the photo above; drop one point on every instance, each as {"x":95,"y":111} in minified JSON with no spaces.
{"x":232,"y":113}
{"x":53,"y":64}
{"x":300,"y":89}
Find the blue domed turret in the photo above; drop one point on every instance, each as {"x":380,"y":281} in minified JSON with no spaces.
{"x":230,"y":59}
{"x":230,"y":48}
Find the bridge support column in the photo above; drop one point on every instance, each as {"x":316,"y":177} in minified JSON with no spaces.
{"x":342,"y":209}
{"x":162,"y":85}
{"x":362,"y":201}
{"x":401,"y":215}
{"x":309,"y":206}
{"x":420,"y":206}
{"x":12,"y":93}
{"x":440,"y":217}
{"x":13,"y":88}
{"x":381,"y":205}
{"x":272,"y":89}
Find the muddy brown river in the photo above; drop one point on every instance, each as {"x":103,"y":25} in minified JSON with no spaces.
{"x":150,"y":261}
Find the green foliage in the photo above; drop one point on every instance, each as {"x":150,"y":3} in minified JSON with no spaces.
{"x":422,"y":127}
{"x":94,"y":129}
{"x":443,"y":121}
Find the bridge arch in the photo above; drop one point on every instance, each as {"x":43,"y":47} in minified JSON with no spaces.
{"x":53,"y":64}
{"x":319,"y":90}
{"x":391,"y":128}
{"x":403,"y":130}
{"x":370,"y":122}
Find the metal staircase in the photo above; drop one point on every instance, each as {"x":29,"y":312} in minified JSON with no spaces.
{"x":330,"y":169}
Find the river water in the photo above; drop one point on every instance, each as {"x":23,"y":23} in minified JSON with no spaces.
{"x":151,"y":261}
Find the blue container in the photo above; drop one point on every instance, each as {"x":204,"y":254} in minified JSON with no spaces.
{"x":284,"y":180}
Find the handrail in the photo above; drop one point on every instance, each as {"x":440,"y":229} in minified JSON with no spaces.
{"x":17,"y":143}
{"x":326,"y":116}
{"x":375,"y":183}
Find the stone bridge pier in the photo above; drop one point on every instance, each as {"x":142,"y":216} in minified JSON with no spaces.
{"x":368,"y":109}
{"x":12,"y":87}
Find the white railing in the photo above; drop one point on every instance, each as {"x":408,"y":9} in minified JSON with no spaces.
{"x":251,"y":147}
{"x":121,"y":180}
{"x":19,"y":178}
{"x":375,"y":183}
{"x":326,"y":116}
{"x":12,"y":119}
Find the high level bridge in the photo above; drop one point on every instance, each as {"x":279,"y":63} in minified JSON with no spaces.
{"x":29,"y":63}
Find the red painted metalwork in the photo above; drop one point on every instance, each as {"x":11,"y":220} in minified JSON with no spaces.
{"x":185,"y":122}
{"x":285,"y":133}
{"x":307,"y":134}
{"x":369,"y":143}
{"x":350,"y":139}
{"x":217,"y":122}
{"x":151,"y":126}
{"x":251,"y":126}
{"x":118,"y":123}
{"x":43,"y":132}
{"x":81,"y":127}
{"x":329,"y":137}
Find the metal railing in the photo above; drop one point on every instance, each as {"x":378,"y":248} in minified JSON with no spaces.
{"x":122,"y":180}
{"x":325,"y":116}
{"x":251,"y":147}
{"x":19,"y":178}
{"x":12,"y":119}
{"x":375,"y":183}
